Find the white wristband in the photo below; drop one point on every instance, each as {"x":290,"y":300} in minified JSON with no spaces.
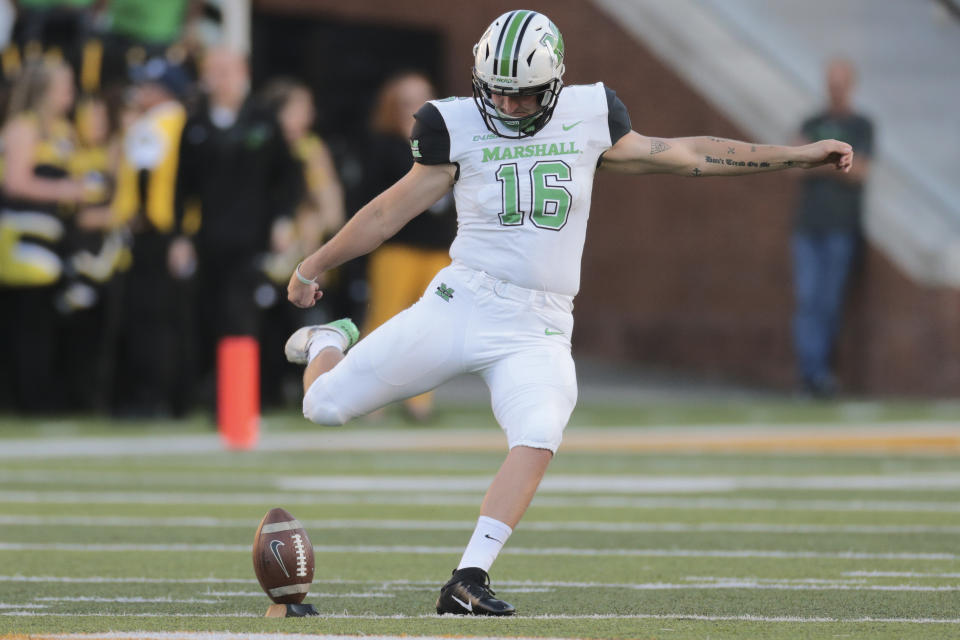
{"x":301,"y":278}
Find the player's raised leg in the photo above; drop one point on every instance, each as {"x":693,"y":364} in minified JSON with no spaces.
{"x":320,"y":347}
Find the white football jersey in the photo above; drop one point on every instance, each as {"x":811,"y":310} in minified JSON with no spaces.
{"x":522,"y":205}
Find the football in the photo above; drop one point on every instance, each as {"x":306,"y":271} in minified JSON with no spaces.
{"x":283,"y":557}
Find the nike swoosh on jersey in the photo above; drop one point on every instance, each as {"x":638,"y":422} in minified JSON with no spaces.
{"x":552,"y":332}
{"x":567,"y":127}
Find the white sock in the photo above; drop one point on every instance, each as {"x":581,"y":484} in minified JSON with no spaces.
{"x":485,"y":544}
{"x":324,"y":339}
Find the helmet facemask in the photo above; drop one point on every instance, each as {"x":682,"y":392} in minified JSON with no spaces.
{"x":508,"y":126}
{"x":520,"y":54}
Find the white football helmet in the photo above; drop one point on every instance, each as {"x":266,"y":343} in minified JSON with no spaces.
{"x":520,"y":54}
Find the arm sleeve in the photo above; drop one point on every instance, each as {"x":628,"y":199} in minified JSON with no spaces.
{"x":617,"y":117}
{"x":430,"y":140}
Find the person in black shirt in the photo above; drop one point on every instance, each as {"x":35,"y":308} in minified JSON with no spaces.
{"x":827,"y":233}
{"x":236,"y":165}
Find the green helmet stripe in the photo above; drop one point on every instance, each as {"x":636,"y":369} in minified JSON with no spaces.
{"x":499,"y":48}
{"x":507,"y":53}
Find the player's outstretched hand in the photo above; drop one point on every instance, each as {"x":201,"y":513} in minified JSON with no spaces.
{"x":835,"y":152}
{"x":303,"y":295}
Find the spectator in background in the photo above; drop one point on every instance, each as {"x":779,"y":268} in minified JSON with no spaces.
{"x":56,"y":27}
{"x":39,"y":199}
{"x":827,"y":232}
{"x":318,"y":216}
{"x":320,"y":213}
{"x":400,"y":270}
{"x":144,"y":202}
{"x":95,"y":251}
{"x":237,"y":166}
{"x":140,"y":30}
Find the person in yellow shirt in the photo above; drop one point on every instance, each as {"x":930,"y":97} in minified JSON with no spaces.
{"x":39,"y":198}
{"x":144,"y":202}
{"x":96,"y":250}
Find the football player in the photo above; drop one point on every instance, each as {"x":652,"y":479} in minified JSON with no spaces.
{"x":520,"y":157}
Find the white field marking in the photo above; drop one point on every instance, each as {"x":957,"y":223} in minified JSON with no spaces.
{"x":776,"y":580}
{"x":935,"y":435}
{"x":400,"y":585}
{"x":560,"y":483}
{"x":717,"y":585}
{"x":595,"y":616}
{"x":4,"y":605}
{"x":468,"y":525}
{"x":129,"y":615}
{"x":130,"y":599}
{"x":899,"y":574}
{"x":259,"y":594}
{"x":724,"y":504}
{"x":128,"y":479}
{"x":125,"y":580}
{"x":520,"y":551}
{"x":226,"y":635}
{"x":453,"y":484}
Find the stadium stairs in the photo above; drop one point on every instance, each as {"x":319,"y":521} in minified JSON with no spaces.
{"x":761,"y":63}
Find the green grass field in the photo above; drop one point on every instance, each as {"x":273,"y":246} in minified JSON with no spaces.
{"x":672,"y":544}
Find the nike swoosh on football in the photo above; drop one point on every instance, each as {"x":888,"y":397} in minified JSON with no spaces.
{"x":275,"y":546}
{"x":468,"y":607}
{"x":551,"y":332}
{"x":567,"y":127}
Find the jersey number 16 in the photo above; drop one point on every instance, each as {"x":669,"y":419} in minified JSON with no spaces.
{"x":550,"y":202}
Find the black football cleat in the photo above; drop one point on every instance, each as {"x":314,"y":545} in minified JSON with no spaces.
{"x":468,"y":593}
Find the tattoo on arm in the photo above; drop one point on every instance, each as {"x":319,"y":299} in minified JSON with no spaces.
{"x":753,"y":148}
{"x":731,"y":151}
{"x":658,"y":146}
{"x":696,"y":173}
{"x":715,"y":139}
{"x":788,"y":163}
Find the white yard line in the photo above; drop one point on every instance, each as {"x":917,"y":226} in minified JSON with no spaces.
{"x":600,"y":616}
{"x":729,"y":583}
{"x":126,"y":599}
{"x":430,"y":498}
{"x":522,"y":551}
{"x":558,"y":483}
{"x":926,"y":435}
{"x":380,"y":588}
{"x":899,"y":574}
{"x":313,"y":594}
{"x":627,"y":484}
{"x":226,"y":635}
{"x":468,"y":525}
{"x":508,"y":584}
{"x":125,"y":580}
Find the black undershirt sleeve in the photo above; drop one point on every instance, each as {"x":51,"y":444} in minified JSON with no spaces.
{"x":617,"y":117}
{"x":430,"y":140}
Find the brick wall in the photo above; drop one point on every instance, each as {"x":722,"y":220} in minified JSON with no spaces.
{"x":694,"y":274}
